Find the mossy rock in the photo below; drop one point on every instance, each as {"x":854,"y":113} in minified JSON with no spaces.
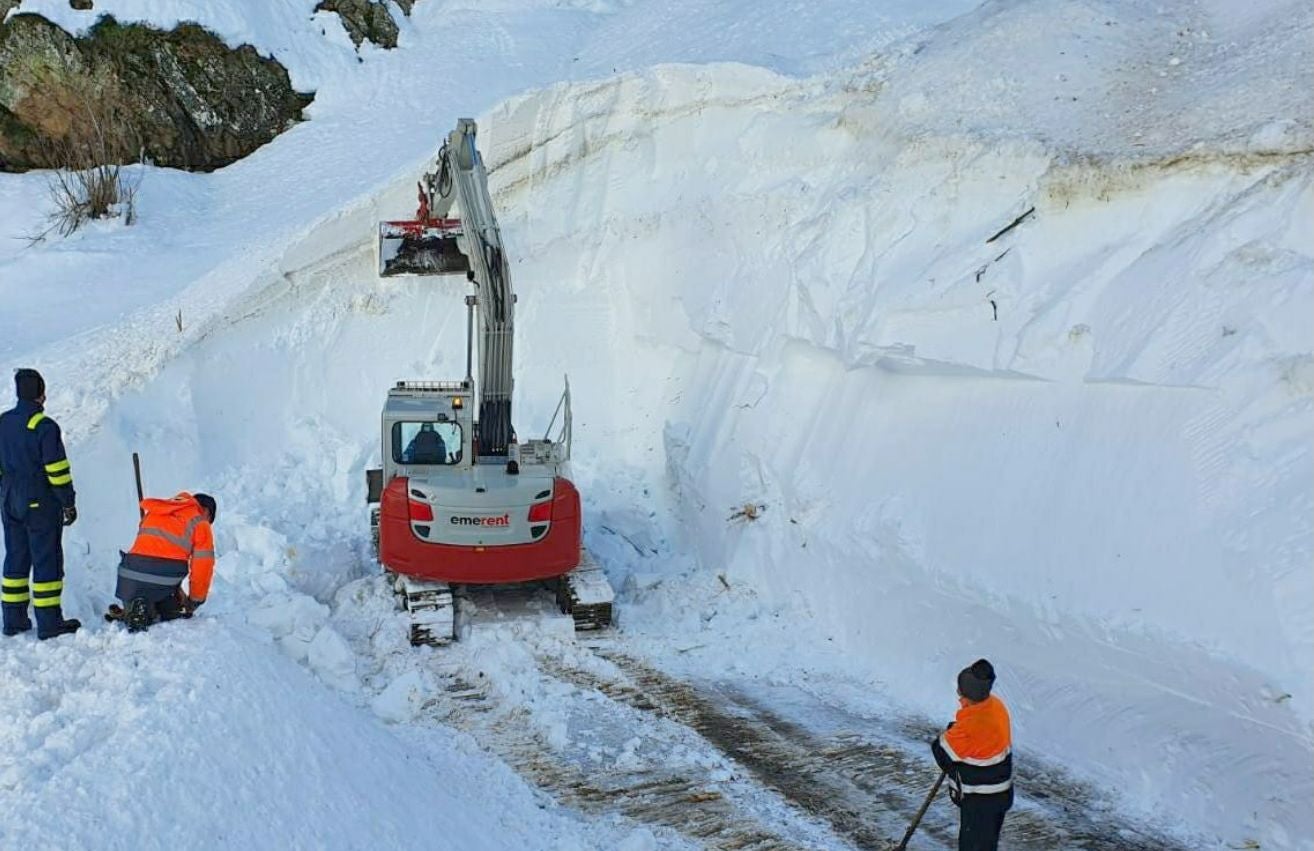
{"x":181,"y":97}
{"x":365,"y":20}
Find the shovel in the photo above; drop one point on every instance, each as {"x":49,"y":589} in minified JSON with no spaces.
{"x":917,"y":819}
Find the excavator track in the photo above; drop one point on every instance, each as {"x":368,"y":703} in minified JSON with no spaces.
{"x":432,"y":610}
{"x":586,"y":595}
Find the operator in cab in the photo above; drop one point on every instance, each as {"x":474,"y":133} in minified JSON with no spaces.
{"x":427,"y":447}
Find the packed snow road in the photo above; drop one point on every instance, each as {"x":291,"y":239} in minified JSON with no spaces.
{"x":716,"y":762}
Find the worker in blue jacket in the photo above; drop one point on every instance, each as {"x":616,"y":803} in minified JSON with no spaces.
{"x":36,"y":503}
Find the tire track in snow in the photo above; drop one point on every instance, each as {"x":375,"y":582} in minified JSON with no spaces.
{"x":700,"y":807}
{"x":865,"y":790}
{"x":843,"y":782}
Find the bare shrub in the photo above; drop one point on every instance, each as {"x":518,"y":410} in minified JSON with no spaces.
{"x":89,"y":181}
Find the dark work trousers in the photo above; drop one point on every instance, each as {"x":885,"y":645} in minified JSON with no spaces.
{"x":155,"y":580}
{"x":34,"y":546}
{"x":982,"y":819}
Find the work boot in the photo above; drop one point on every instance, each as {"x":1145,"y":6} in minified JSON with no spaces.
{"x":137,"y":615}
{"x":67,"y":626}
{"x":15,"y":629}
{"x":16,"y":618}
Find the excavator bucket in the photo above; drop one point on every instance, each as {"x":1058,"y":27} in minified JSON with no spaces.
{"x":424,"y":245}
{"x":421,"y":247}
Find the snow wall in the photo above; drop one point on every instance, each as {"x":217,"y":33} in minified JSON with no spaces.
{"x":1079,"y":447}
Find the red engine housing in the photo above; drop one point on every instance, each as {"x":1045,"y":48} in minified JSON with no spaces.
{"x":555,"y":554}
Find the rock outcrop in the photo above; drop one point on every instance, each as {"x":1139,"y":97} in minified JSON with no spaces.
{"x":180,"y":97}
{"x":364,"y":20}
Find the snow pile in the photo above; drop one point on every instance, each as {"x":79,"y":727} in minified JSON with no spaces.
{"x":197,"y":735}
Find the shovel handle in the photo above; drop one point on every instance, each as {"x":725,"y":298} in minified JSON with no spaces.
{"x":136,"y":472}
{"x":917,"y":819}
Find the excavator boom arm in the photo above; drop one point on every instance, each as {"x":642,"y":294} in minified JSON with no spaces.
{"x":491,"y":275}
{"x":423,"y":246}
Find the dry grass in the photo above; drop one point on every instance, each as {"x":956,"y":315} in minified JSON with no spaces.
{"x":747,"y":512}
{"x":89,"y":181}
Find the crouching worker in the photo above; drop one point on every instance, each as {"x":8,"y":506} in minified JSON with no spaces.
{"x":174,"y":542}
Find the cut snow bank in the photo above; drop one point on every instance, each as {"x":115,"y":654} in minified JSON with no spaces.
{"x":1081,"y":447}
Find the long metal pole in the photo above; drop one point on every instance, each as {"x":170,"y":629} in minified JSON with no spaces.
{"x":469,"y":338}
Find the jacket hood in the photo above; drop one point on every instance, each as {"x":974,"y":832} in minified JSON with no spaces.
{"x":182,"y":503}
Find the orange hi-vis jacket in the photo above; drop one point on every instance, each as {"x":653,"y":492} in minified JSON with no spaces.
{"x":977,"y":749}
{"x":178,"y":529}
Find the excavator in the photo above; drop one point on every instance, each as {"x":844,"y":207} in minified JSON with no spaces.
{"x":459,"y":499}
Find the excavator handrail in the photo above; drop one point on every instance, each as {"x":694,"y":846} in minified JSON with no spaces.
{"x":567,"y":424}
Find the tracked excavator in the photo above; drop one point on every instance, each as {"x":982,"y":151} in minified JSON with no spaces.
{"x":459,"y":499}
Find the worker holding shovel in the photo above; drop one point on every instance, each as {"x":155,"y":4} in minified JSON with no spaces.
{"x":976,"y":755}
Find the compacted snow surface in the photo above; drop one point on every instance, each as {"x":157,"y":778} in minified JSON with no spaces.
{"x":778,"y":274}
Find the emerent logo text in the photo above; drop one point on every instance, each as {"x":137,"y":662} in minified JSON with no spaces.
{"x":458,"y":520}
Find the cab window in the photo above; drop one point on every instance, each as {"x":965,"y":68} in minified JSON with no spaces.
{"x":426,"y":443}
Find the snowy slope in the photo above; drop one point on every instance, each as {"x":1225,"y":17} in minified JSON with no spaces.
{"x":200,"y":736}
{"x":375,"y":123}
{"x":1082,"y":448}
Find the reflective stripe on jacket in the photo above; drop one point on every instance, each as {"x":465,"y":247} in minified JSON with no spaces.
{"x":153,"y":579}
{"x":976,"y":752}
{"x":34,"y":469}
{"x":177,"y":529}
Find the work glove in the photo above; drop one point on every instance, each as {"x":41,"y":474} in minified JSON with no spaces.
{"x":70,"y":515}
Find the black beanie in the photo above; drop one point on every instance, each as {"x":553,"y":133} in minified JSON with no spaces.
{"x":975,"y":681}
{"x":207,"y":502}
{"x":29,"y":385}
